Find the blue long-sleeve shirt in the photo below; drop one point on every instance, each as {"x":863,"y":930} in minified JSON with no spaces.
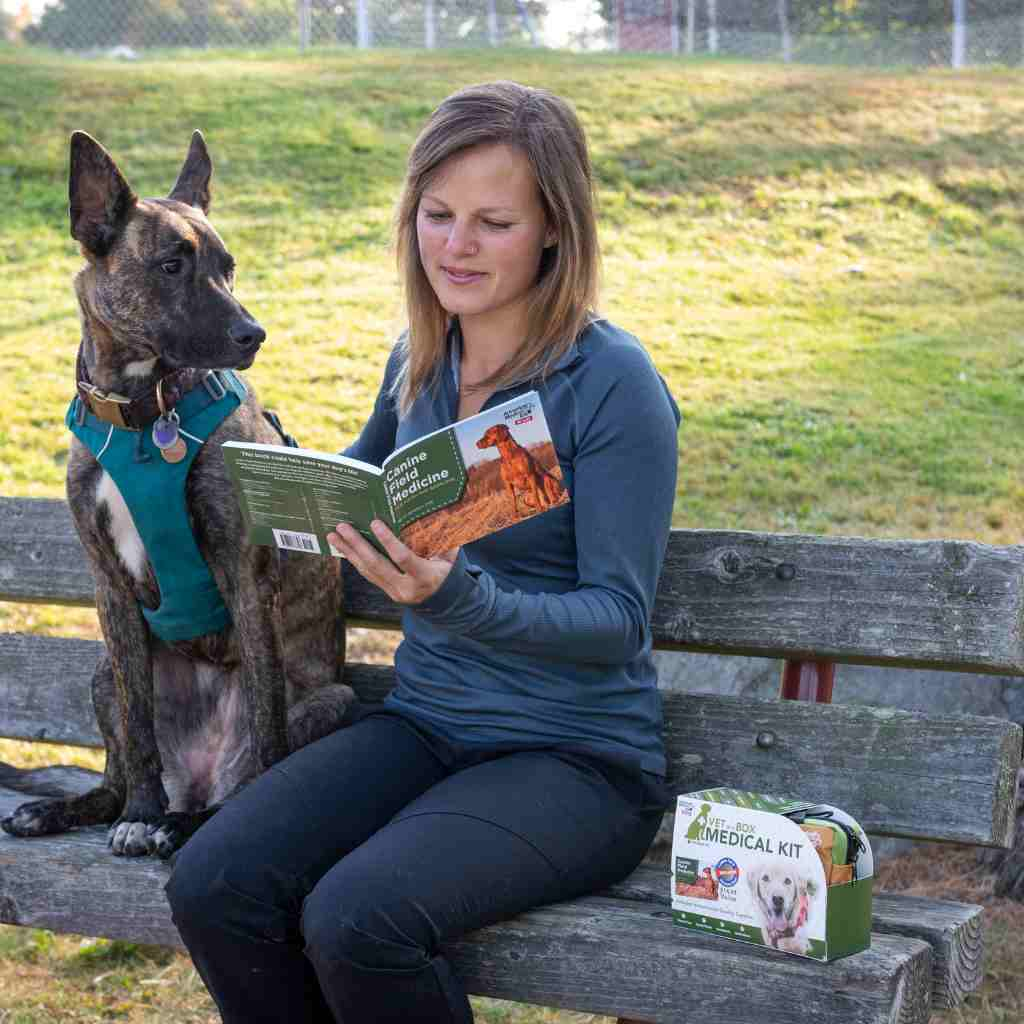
{"x":540,"y":635}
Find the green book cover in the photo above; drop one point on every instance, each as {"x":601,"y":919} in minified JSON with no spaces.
{"x":441,"y":491}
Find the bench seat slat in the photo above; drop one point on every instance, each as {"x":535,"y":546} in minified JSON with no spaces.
{"x":932,"y":604}
{"x":953,"y":930}
{"x":892,"y":770}
{"x":599,"y":954}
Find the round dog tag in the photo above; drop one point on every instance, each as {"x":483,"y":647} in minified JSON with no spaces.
{"x":165,"y":431}
{"x":175,"y":452}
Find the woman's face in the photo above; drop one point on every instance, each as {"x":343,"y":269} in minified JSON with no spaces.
{"x":482,"y":230}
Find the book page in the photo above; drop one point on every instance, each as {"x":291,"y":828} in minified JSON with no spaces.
{"x":292,"y":498}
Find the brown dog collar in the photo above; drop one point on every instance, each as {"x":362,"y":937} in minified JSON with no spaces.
{"x":135,"y":413}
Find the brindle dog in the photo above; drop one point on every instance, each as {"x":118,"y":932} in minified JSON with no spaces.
{"x":185,"y":724}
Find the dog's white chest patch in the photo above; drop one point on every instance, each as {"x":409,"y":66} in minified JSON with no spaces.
{"x":127,"y":542}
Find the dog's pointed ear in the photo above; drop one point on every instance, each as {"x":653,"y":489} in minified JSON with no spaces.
{"x":193,"y":184}
{"x":99,"y":198}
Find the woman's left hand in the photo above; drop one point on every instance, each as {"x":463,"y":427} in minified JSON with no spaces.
{"x":407,"y":578}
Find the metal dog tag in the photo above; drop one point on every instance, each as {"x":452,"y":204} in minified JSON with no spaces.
{"x":168,"y":439}
{"x":176,"y":452}
{"x":165,"y":431}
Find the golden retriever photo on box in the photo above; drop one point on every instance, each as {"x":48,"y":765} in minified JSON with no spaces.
{"x":783,"y":901}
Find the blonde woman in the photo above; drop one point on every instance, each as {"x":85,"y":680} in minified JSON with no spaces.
{"x":518,"y":760}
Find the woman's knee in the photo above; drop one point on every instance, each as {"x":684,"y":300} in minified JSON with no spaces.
{"x":375,"y":928}
{"x":207,"y":894}
{"x":190,"y":887}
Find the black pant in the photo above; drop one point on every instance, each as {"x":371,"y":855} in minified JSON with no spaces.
{"x":324,"y":891}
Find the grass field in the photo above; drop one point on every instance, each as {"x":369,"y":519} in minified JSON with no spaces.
{"x":825,"y":265}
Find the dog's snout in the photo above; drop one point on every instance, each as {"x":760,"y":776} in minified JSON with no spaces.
{"x":247,"y":334}
{"x":777,"y":904}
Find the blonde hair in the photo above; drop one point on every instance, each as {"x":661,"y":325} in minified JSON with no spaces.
{"x":545,"y":129}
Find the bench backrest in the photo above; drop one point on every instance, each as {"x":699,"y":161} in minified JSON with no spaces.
{"x":932,"y":604}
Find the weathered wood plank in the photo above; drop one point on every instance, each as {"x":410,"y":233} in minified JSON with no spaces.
{"x":953,"y":930}
{"x":899,"y":773}
{"x":41,"y":559}
{"x":45,"y":691}
{"x":892,"y":770}
{"x":598,"y":954}
{"x":933,"y":604}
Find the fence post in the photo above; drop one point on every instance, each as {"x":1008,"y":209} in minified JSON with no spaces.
{"x":691,"y":25}
{"x":713,"y":26}
{"x":674,"y":25}
{"x":429,"y":25}
{"x":959,"y":32}
{"x":787,"y":41}
{"x":492,"y":24}
{"x":363,"y":24}
{"x":305,"y":17}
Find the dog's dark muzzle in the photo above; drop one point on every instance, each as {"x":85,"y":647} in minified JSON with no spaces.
{"x":247,"y":335}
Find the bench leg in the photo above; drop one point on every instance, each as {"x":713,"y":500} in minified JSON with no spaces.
{"x":808,"y":680}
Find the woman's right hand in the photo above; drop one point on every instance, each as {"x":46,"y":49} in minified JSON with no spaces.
{"x":407,"y":578}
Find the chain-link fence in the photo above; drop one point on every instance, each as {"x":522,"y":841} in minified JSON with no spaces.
{"x":861,"y":32}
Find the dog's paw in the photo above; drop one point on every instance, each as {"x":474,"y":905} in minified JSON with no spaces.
{"x":39,"y":818}
{"x":128,"y":839}
{"x":168,"y":835}
{"x":173,"y":830}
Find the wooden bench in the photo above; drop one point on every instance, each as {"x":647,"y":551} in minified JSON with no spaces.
{"x":812,"y":600}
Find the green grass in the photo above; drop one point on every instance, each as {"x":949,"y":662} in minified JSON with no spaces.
{"x":46,"y":978}
{"x":824,"y":264}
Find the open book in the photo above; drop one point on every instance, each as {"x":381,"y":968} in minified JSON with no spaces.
{"x":446,"y":489}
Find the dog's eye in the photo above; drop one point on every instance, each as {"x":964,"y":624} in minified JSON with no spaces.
{"x":171,"y":266}
{"x":788,"y":881}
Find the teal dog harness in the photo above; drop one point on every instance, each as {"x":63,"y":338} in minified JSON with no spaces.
{"x":154,"y":491}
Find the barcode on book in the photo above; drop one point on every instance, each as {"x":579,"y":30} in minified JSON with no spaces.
{"x":297,"y":541}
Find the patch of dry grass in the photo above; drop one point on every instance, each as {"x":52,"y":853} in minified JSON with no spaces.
{"x":953,"y":873}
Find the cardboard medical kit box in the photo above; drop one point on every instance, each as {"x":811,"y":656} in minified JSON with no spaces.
{"x":788,"y":874}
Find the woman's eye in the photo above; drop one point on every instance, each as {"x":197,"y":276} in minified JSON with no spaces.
{"x":171,"y":266}
{"x":498,"y":225}
{"x":436,"y":217}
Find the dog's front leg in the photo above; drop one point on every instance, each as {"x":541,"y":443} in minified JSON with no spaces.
{"x":263,"y":670}
{"x":128,"y":644}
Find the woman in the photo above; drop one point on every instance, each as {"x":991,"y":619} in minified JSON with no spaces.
{"x":518,"y":760}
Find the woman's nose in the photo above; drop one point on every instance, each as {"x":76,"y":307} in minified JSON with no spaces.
{"x":461,"y":240}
